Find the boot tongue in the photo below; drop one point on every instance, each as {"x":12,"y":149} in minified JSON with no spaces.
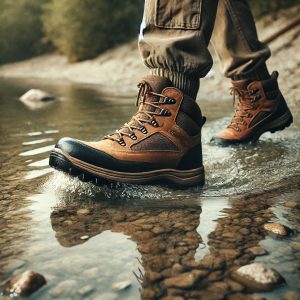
{"x":157,"y":83}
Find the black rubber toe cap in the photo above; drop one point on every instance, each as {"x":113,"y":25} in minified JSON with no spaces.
{"x":99,"y":158}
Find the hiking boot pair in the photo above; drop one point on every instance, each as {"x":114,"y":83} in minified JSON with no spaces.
{"x":162,"y":142}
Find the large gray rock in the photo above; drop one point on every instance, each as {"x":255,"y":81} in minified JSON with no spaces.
{"x":24,"y":284}
{"x":258,"y":277}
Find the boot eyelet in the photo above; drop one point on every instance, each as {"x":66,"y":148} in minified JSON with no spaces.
{"x":154,"y":123}
{"x":122,"y":143}
{"x":165,"y":112}
{"x":133,"y":136}
{"x":144,"y":130}
{"x":169,"y":100}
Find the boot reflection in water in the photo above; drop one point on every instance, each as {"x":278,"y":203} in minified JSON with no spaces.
{"x":168,"y":240}
{"x":162,"y":141}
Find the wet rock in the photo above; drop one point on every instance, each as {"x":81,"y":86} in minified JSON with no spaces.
{"x":244,"y":231}
{"x":200,"y":273}
{"x":85,"y":290}
{"x":259,"y":220}
{"x":106,"y":296}
{"x":68,"y":222}
{"x":292,"y":204}
{"x":258,"y":277}
{"x":119,"y":217}
{"x":24,"y":284}
{"x":210,"y":295}
{"x":149,"y":293}
{"x":63,"y":288}
{"x":291,"y":295}
{"x":212,"y":262}
{"x":219,"y":287}
{"x":152,"y":276}
{"x":245,"y":221}
{"x":229,"y":254}
{"x":257,"y":251}
{"x":36,"y":95}
{"x":177,"y":269}
{"x":215,"y":276}
{"x":235,"y":286}
{"x":277,"y":230}
{"x":83,"y":212}
{"x":184,"y":281}
{"x":122,"y":285}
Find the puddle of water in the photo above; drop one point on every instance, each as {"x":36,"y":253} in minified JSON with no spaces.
{"x":97,"y":236}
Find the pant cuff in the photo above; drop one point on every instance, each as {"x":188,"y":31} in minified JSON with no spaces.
{"x":186,"y":84}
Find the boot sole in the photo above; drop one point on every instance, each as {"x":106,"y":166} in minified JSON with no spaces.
{"x":278,"y":124}
{"x":97,"y":175}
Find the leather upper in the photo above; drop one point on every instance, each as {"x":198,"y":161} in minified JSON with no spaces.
{"x":258,"y":103}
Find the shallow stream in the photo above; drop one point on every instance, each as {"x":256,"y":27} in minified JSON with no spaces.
{"x":85,"y":239}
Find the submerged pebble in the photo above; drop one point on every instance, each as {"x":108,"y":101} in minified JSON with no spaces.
{"x":63,"y":288}
{"x":24,"y":284}
{"x":85,"y":290}
{"x":185,"y":280}
{"x":122,"y":285}
{"x":258,"y":277}
{"x":83,"y":212}
{"x":257,"y":251}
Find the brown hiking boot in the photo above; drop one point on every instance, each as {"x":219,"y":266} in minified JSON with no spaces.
{"x":261,"y":108}
{"x":161,"y":142}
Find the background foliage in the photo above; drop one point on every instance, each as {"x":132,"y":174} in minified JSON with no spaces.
{"x":80,"y":29}
{"x":83,"y":28}
{"x":21,"y":30}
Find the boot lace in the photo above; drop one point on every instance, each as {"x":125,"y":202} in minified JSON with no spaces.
{"x":246,"y":104}
{"x":145,"y":114}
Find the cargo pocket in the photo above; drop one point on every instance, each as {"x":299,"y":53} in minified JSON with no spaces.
{"x":178,"y":14}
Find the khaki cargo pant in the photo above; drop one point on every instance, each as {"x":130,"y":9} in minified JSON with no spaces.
{"x":175,"y":34}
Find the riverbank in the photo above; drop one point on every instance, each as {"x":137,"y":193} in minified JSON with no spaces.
{"x":118,"y":70}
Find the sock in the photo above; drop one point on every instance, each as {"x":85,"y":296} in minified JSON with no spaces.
{"x":189,"y":86}
{"x":260,"y":74}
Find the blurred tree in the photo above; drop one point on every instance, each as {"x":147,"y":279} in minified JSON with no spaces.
{"x":82,"y":29}
{"x":20,"y":30}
